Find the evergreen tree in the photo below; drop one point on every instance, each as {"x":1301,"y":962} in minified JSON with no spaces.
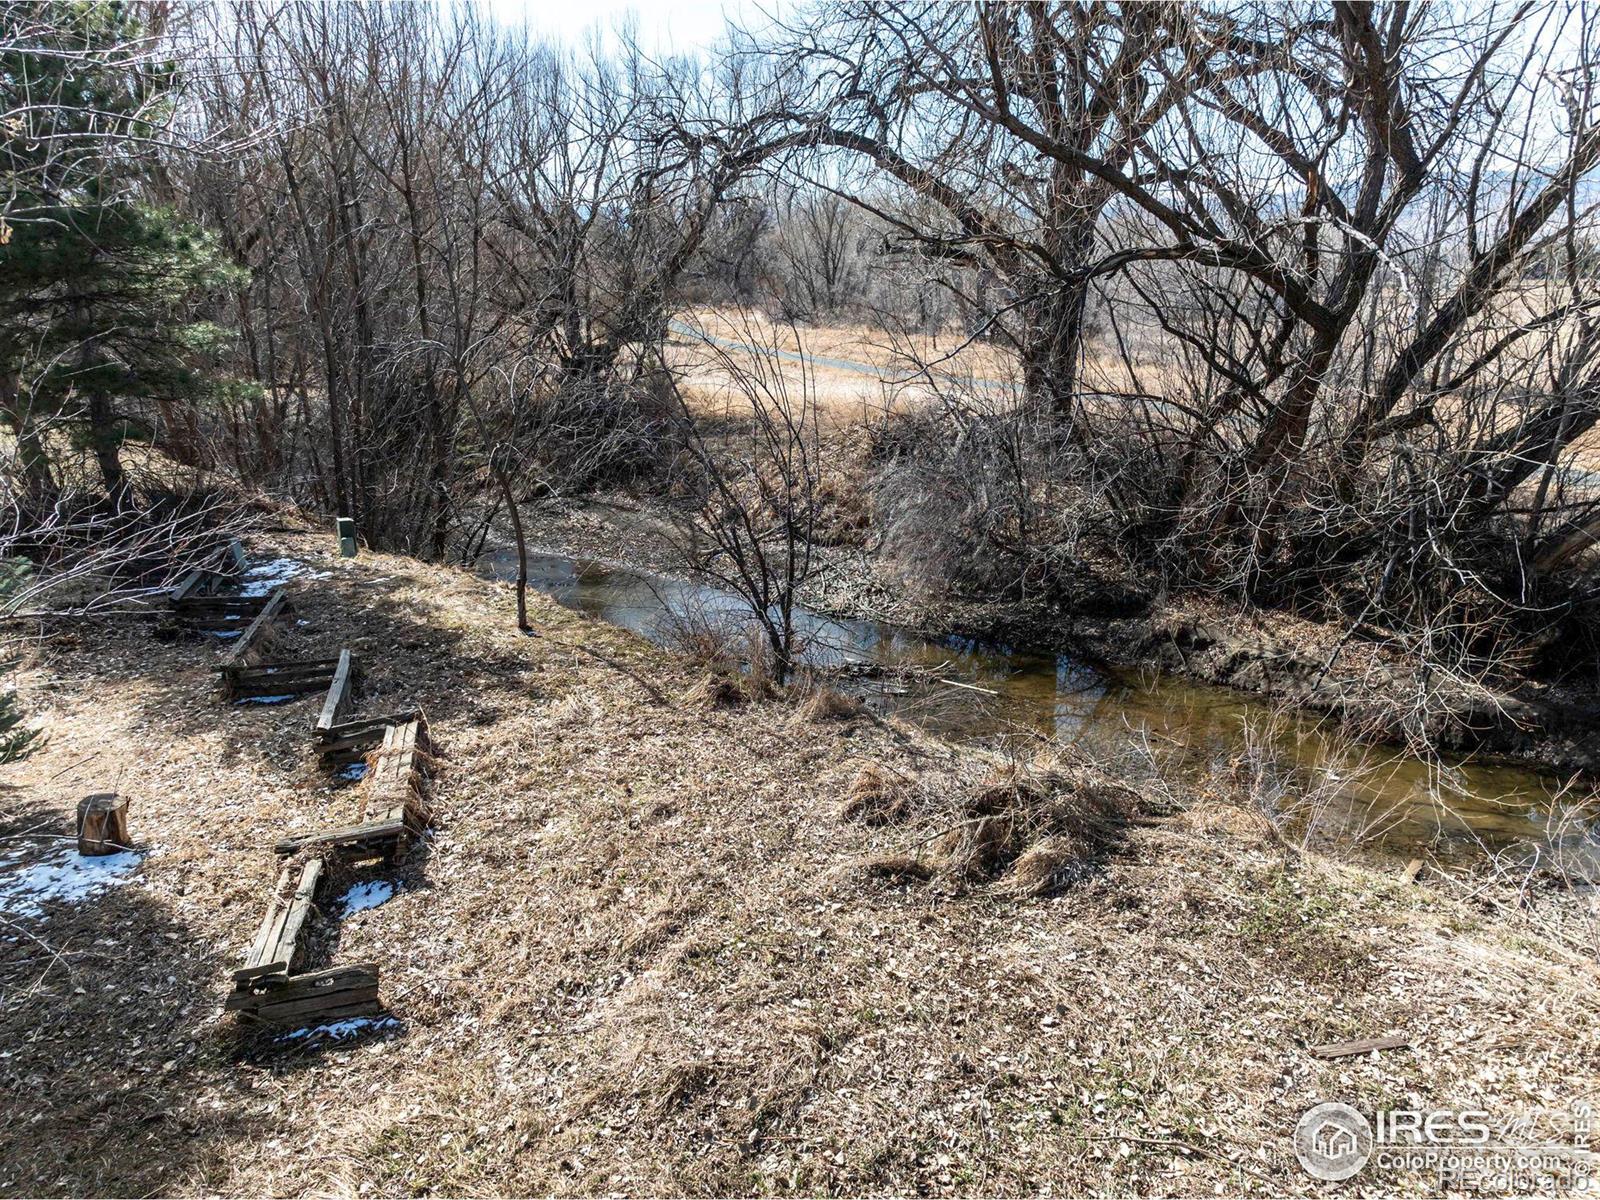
{"x":95,"y":281}
{"x":17,"y":741}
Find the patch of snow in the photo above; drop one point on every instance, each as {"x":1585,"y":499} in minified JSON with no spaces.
{"x":353,"y":772}
{"x":284,"y":699}
{"x":223,"y":633}
{"x":339,"y":1030}
{"x":263,"y":578}
{"x":367,"y":895}
{"x":66,"y":876}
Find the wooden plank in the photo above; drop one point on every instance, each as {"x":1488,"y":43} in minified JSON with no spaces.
{"x":234,"y":559}
{"x":334,"y":1000}
{"x":358,"y":734}
{"x":252,"y":675}
{"x":1393,"y":1041}
{"x":282,"y":988}
{"x":186,"y":586}
{"x":368,"y":833}
{"x":328,"y":1016}
{"x":284,"y":687}
{"x":335,"y":985}
{"x":254,"y":638}
{"x":288,"y":668}
{"x":267,"y":935}
{"x":395,"y":781}
{"x":277,"y":952}
{"x":394,"y":758}
{"x":299,"y":910}
{"x":224,"y":605}
{"x":374,"y":725}
{"x":289,"y":678}
{"x":338,"y":698}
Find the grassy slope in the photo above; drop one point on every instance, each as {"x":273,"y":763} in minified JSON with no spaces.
{"x":636,"y":956}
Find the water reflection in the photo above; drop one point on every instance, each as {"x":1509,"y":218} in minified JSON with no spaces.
{"x":1372,"y":793}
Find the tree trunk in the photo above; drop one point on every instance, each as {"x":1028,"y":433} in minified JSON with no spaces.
{"x":103,"y":824}
{"x":1053,"y":348}
{"x":104,"y":436}
{"x":522,"y":548}
{"x":38,"y":479}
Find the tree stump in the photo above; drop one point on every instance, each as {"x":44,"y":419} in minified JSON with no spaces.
{"x":103,"y":824}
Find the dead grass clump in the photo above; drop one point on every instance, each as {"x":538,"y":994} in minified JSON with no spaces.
{"x":703,"y":643}
{"x":714,"y":691}
{"x":844,"y":504}
{"x":681,"y":1082}
{"x":1046,"y":866}
{"x":876,"y":797}
{"x":658,"y":929}
{"x":820,"y":704}
{"x":720,"y":643}
{"x":1037,"y":827}
{"x":574,"y":710}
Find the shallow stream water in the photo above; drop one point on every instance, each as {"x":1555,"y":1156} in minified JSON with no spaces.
{"x":959,"y":687}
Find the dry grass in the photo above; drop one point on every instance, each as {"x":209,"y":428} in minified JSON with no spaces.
{"x":640,"y":954}
{"x":816,"y":703}
{"x":877,"y":796}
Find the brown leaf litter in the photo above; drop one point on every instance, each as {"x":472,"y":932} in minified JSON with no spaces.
{"x":637,"y":953}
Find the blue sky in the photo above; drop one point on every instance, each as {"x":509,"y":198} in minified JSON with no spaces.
{"x":665,"y":27}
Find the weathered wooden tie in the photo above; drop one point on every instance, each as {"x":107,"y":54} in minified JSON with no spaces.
{"x":278,"y":939}
{"x":334,"y":994}
{"x":341,"y":691}
{"x":395,"y":781}
{"x":279,"y":678}
{"x":1393,"y":1041}
{"x":213,"y":606}
{"x":350,"y":740}
{"x":199,"y":593}
{"x":191,"y":585}
{"x":255,"y":640}
{"x":234,"y":559}
{"x":371,"y":839}
{"x":393,"y":797}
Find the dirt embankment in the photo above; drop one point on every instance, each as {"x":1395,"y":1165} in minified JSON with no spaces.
{"x":656,"y":944}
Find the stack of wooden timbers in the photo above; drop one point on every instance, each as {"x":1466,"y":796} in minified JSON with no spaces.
{"x":264,"y":990}
{"x":204,"y":596}
{"x":245,"y":670}
{"x":277,"y":985}
{"x":207,"y":598}
{"x":273,"y":987}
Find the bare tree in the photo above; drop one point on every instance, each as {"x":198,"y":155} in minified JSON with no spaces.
{"x":750,"y":466}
